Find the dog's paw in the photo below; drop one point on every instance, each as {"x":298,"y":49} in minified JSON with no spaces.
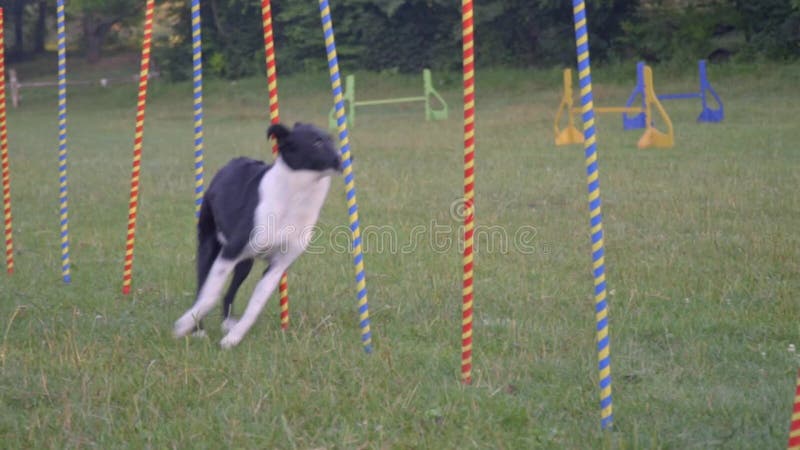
{"x":199,"y":333}
{"x":229,"y":341}
{"x":183,"y":326}
{"x":228,"y":324}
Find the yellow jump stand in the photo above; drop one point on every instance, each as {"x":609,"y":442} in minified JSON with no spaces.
{"x":569,"y":134}
{"x":651,"y":137}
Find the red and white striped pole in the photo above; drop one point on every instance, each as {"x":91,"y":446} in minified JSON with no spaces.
{"x":469,"y":188}
{"x":6,"y":169}
{"x":274,"y":115}
{"x":794,"y":428}
{"x":144,"y":72}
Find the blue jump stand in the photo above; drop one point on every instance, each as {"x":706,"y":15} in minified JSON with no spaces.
{"x":636,"y":121}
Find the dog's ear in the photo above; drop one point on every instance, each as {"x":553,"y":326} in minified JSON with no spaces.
{"x":277,"y":131}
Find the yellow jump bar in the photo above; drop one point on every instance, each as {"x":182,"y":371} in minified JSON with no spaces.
{"x":612,"y":109}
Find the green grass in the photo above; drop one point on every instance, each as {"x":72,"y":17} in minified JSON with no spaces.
{"x":703,"y":258}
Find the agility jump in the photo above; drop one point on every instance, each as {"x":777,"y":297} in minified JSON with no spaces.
{"x":707,"y":114}
{"x":651,"y":137}
{"x":429,"y":97}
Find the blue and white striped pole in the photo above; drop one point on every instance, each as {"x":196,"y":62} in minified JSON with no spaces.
{"x":197,"y":89}
{"x":62,"y":141}
{"x":595,"y":215}
{"x":349,"y":176}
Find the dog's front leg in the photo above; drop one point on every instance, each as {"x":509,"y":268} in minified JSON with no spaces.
{"x":256,"y":304}
{"x":206,"y":298}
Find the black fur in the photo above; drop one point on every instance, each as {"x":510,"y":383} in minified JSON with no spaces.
{"x":231,"y":199}
{"x":314,"y":143}
{"x":228,"y":207}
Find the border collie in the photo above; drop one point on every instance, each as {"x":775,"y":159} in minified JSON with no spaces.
{"x":254,"y":210}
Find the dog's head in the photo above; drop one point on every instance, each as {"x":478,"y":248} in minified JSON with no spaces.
{"x":306,"y":147}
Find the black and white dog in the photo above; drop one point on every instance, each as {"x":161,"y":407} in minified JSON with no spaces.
{"x":254,"y":210}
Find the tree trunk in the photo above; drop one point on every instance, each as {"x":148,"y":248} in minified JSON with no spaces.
{"x":93,"y":45}
{"x":223,"y":34}
{"x":41,"y":28}
{"x":18,"y":16}
{"x":94,"y":33}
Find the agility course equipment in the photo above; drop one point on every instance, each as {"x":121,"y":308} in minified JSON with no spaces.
{"x":137,"y":147}
{"x":651,"y":137}
{"x":327,"y":27}
{"x":274,"y":115}
{"x":468,"y":62}
{"x":794,"y":427}
{"x":707,"y":114}
{"x":197,"y":93}
{"x":6,"y":168}
{"x":429,"y":97}
{"x":349,"y":176}
{"x":62,"y":142}
{"x":595,"y":214}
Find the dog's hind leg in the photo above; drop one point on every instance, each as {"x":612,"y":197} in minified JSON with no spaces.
{"x":208,"y":249}
{"x":258,"y":300}
{"x":240,"y":273}
{"x":209,"y":292}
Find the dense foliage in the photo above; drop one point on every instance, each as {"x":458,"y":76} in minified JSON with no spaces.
{"x":395,"y":35}
{"x":719,"y":29}
{"x":405,"y":35}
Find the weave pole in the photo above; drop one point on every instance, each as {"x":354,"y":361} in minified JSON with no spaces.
{"x":6,"y":169}
{"x":62,"y":141}
{"x":595,"y":215}
{"x":349,"y":176}
{"x":469,"y":187}
{"x":197,"y":93}
{"x":137,"y":147}
{"x":274,"y":116}
{"x":794,"y":428}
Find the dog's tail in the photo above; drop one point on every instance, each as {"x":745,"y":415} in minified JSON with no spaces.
{"x":205,"y":221}
{"x":208,"y":247}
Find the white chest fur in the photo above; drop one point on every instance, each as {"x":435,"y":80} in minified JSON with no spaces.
{"x":288,"y":208}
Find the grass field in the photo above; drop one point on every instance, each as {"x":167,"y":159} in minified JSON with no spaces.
{"x":703,"y":260}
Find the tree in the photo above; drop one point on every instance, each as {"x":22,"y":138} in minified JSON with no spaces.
{"x":15,"y":11}
{"x":40,"y":33}
{"x":97,"y":19}
{"x":771,"y":27}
